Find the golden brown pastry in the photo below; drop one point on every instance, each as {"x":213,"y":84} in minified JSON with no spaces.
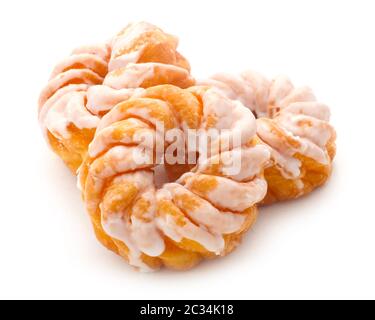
{"x":292,"y":124}
{"x":84,"y":86}
{"x":173,"y":221}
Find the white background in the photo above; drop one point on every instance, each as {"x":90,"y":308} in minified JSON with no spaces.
{"x":321,"y":246}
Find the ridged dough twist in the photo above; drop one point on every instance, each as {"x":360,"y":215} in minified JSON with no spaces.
{"x":204,"y":213}
{"x":84,"y":86}
{"x":101,"y":101}
{"x":292,"y":124}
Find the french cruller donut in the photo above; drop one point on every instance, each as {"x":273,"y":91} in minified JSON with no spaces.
{"x":171,"y":171}
{"x":84,"y":86}
{"x":177,"y":222}
{"x":292,"y":124}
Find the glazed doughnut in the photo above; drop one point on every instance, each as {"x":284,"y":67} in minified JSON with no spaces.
{"x":292,"y":124}
{"x":201,"y":212}
{"x":84,"y":86}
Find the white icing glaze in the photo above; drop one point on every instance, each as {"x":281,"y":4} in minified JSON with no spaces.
{"x":289,"y":167}
{"x":125,"y":59}
{"x":250,"y":88}
{"x":102,"y":51}
{"x":261,"y":88}
{"x":102,"y":98}
{"x":125,"y":49}
{"x":229,"y":115}
{"x":279,"y":88}
{"x":303,"y":94}
{"x":143,"y":112}
{"x":294,"y":111}
{"x":252,"y":161}
{"x":168,"y":225}
{"x":300,"y":185}
{"x":125,"y":40}
{"x":144,"y":231}
{"x":205,"y":213}
{"x":105,"y":137}
{"x":57,"y":111}
{"x":87,"y":67}
{"x":122,"y":159}
{"x":232,"y":87}
{"x":211,"y":242}
{"x":43,"y":112}
{"x":131,"y":76}
{"x":69,"y":109}
{"x":134,"y":75}
{"x":81,"y":61}
{"x":138,"y":230}
{"x":118,"y":228}
{"x":233,"y":195}
{"x":84,"y":76}
{"x":313,"y":129}
{"x":311,"y":108}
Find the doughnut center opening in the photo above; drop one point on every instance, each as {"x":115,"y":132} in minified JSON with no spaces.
{"x":164,"y":173}
{"x":270,"y":114}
